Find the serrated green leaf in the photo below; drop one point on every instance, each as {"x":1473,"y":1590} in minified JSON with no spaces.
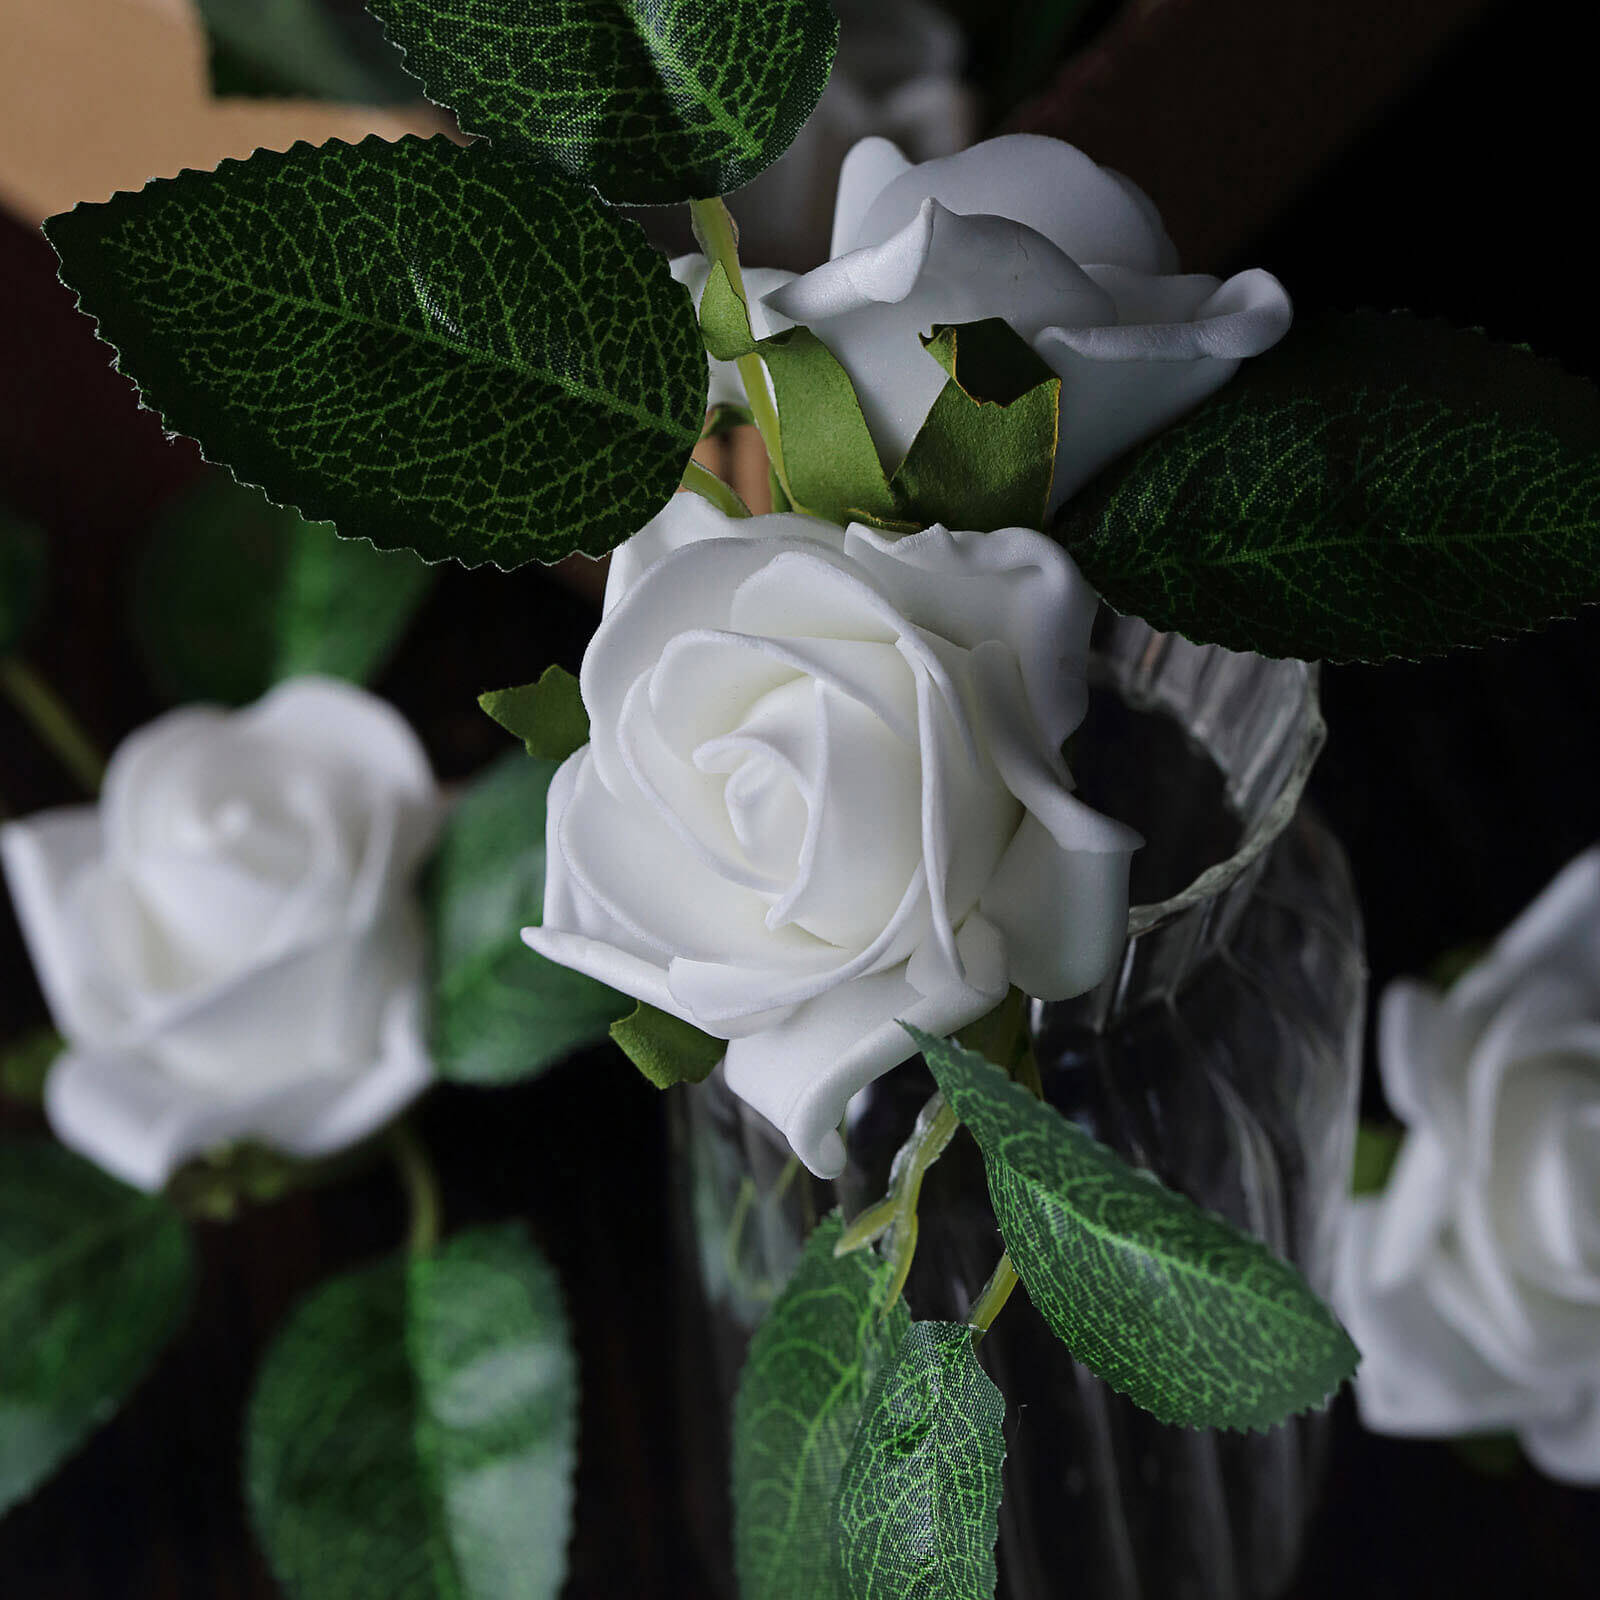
{"x":811,"y":1366}
{"x":432,"y":347}
{"x":94,"y":1279}
{"x":1193,"y":1320}
{"x":413,"y":1430}
{"x":548,"y":715}
{"x":503,"y":1013}
{"x":985,"y":454}
{"x":314,"y":48}
{"x":919,"y":1498}
{"x":651,"y":101}
{"x":665,"y":1048}
{"x":235,"y":594}
{"x":26,"y":1062}
{"x":22,"y":567}
{"x":1376,"y":486}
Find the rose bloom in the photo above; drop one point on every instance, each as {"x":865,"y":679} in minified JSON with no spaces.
{"x":1028,"y":229}
{"x":230,"y":941}
{"x":1472,"y":1284}
{"x":824,"y":793}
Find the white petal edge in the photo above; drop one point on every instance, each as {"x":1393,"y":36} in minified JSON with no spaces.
{"x":870,"y":167}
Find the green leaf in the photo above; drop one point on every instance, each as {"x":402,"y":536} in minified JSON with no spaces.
{"x":94,"y":1279}
{"x":985,"y":454}
{"x":651,"y":101}
{"x":548,"y":716}
{"x":919,"y":1499}
{"x":235,"y":594}
{"x":26,"y":1062}
{"x":313,"y":48}
{"x":430,"y":346}
{"x":414,"y":1429}
{"x":665,"y":1048}
{"x":1175,"y":1308}
{"x":811,"y":1366}
{"x":22,"y":566}
{"x":502,"y":1012}
{"x":1376,"y":486}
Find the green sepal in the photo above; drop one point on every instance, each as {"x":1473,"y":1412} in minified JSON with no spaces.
{"x":547,"y":715}
{"x":985,"y":454}
{"x":724,"y":418}
{"x":919,"y":1497}
{"x":235,"y":594}
{"x":652,"y":101}
{"x":217,"y":1186}
{"x":303,"y":48}
{"x":1374,"y":487}
{"x":665,"y":1048}
{"x":1190,"y":1318}
{"x":26,"y":1062}
{"x":1377,"y":1149}
{"x":94,"y":1279}
{"x":22,"y":568}
{"x":811,"y":1367}
{"x":414,"y":1430}
{"x":501,"y":1012}
{"x":383,"y":336}
{"x":724,"y":318}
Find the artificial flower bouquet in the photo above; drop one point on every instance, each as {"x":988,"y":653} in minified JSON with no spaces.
{"x":806,"y":812}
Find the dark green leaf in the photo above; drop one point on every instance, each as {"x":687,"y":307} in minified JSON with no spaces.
{"x":1375,"y":486}
{"x":94,"y":1278}
{"x":651,"y":101}
{"x":26,"y":1062}
{"x":22,"y":565}
{"x":548,"y":716}
{"x":502,"y":1012}
{"x":430,"y":346}
{"x":414,"y":1428}
{"x":1172,"y":1306}
{"x":235,"y":594}
{"x":806,"y":1379}
{"x":919,"y":1499}
{"x":986,"y":452}
{"x":666,"y":1049}
{"x":322,"y":49}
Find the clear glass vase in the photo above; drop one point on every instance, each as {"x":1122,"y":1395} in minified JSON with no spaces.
{"x":1223,"y":1055}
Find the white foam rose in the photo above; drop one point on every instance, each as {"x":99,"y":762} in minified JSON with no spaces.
{"x":1028,"y":229}
{"x":230,"y":941}
{"x":1472,"y":1284}
{"x":824,"y":791}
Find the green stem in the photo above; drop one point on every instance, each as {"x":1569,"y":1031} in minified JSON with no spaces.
{"x":49,"y":717}
{"x":713,"y":226}
{"x":421,"y":1184}
{"x":992,"y":1301}
{"x":709,"y":486}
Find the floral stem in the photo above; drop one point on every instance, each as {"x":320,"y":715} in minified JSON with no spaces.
{"x":709,"y":486}
{"x":49,"y":717}
{"x":713,"y":226}
{"x":421,"y":1184}
{"x":992,"y":1301}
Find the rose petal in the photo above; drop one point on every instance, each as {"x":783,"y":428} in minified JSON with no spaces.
{"x":1414,"y":1210}
{"x":1567,"y":1448}
{"x":871,"y":307}
{"x":1088,"y":212}
{"x":871,"y":166}
{"x":1180,"y":318}
{"x":801,"y":1074}
{"x":1416,"y":1040}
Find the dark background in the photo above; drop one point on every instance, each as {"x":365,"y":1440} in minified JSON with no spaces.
{"x":1458,"y":787}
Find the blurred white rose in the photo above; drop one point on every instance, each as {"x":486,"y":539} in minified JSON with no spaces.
{"x":230,"y":942}
{"x":897,"y":73}
{"x":1472,"y":1284}
{"x":824,"y":791}
{"x":1028,"y":229}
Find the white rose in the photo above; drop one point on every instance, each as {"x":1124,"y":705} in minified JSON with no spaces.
{"x":1472,"y":1284}
{"x":1028,"y":229}
{"x":824,"y":791}
{"x":897,"y":73}
{"x":230,"y":942}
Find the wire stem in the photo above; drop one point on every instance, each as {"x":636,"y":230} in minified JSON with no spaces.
{"x":49,"y":717}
